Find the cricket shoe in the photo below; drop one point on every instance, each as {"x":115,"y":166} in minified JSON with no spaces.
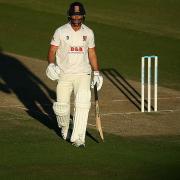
{"x":78,"y":143}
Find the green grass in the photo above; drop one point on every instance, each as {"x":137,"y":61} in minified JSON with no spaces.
{"x":125,"y":31}
{"x":30,"y":150}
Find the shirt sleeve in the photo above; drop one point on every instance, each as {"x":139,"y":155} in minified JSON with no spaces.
{"x":91,"y":43}
{"x":56,"y":38}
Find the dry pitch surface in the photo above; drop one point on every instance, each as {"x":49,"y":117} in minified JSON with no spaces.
{"x":119,"y":104}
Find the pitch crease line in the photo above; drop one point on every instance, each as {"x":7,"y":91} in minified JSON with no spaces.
{"x":163,"y":98}
{"x":124,"y":113}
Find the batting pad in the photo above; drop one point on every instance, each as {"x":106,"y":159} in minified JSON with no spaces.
{"x":62,"y":112}
{"x":82,"y":106}
{"x":64,"y":125}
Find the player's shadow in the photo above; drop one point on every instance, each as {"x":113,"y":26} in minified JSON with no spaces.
{"x":29,"y":89}
{"x":124,"y":86}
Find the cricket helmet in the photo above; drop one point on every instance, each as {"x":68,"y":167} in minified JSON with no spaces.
{"x":76,"y":8}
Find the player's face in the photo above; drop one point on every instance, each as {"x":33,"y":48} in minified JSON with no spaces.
{"x":76,"y":20}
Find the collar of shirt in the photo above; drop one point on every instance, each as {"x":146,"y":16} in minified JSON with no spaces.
{"x":81,"y":28}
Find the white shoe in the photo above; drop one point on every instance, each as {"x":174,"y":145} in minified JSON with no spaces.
{"x":78,"y":143}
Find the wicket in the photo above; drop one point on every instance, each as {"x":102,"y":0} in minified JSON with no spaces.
{"x":149,"y":59}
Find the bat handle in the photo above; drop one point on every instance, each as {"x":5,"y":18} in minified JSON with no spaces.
{"x":95,"y":92}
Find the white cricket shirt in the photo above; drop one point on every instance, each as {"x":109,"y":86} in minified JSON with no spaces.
{"x":72,"y":53}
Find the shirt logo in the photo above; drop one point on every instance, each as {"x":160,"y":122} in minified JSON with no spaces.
{"x":76,"y":49}
{"x":84,"y":38}
{"x":67,"y":37}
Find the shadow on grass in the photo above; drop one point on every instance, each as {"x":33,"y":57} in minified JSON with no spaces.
{"x":124,"y":86}
{"x":29,"y":89}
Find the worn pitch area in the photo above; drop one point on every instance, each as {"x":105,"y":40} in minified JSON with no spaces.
{"x":30,"y":91}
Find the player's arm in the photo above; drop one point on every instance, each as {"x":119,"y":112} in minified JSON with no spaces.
{"x":52,"y":54}
{"x":97,"y":78}
{"x":93,"y":59}
{"x":52,"y":70}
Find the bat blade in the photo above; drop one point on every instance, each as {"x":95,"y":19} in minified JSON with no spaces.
{"x":98,"y":118}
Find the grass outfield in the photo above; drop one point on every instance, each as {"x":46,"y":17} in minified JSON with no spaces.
{"x":30,"y":150}
{"x":125,"y":31}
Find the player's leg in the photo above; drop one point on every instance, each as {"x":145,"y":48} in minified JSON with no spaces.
{"x":82,"y":105}
{"x":62,"y":106}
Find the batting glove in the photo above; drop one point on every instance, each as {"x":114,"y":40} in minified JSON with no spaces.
{"x":53,"y":71}
{"x":97,"y":79}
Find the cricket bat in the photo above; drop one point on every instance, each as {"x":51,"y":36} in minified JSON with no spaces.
{"x":97,"y":113}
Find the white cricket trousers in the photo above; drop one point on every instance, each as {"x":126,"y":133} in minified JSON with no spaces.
{"x":80,"y":85}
